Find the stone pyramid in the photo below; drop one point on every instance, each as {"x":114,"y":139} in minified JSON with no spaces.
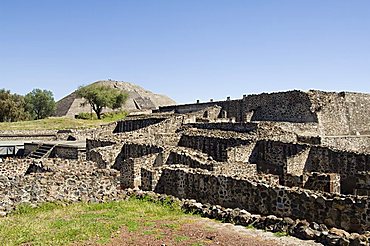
{"x":139,"y":100}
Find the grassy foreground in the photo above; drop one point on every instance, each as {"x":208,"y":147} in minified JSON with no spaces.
{"x":55,"y":224}
{"x":58,"y":123}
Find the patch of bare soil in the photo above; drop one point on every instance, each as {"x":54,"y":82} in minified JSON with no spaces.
{"x":200,"y":232}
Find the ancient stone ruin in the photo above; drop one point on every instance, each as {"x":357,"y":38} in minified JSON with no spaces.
{"x":139,"y":99}
{"x":299,"y":158}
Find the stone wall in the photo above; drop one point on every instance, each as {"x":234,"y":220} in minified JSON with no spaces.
{"x":131,"y":173}
{"x":241,"y":153}
{"x":66,"y":152}
{"x":150,"y":177}
{"x":163,"y":133}
{"x":213,"y":146}
{"x":14,"y":167}
{"x":30,"y":147}
{"x":348,"y":143}
{"x":345,"y":163}
{"x":291,"y":106}
{"x":358,"y":108}
{"x":56,"y":180}
{"x":291,"y":180}
{"x":187,"y":158}
{"x":226,"y":126}
{"x":279,"y":158}
{"x":336,"y":113}
{"x":133,"y":150}
{"x":342,"y":113}
{"x":326,"y":182}
{"x":135,"y":124}
{"x":362,"y":184}
{"x":28,"y":135}
{"x":96,"y":143}
{"x":301,"y":129}
{"x":346,"y":212}
{"x":89,"y":133}
{"x":76,"y":134}
{"x":105,"y":157}
{"x":131,"y":170}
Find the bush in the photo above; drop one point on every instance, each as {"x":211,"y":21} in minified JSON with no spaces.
{"x":86,"y":116}
{"x":114,"y":115}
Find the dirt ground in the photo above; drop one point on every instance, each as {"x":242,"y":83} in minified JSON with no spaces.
{"x":200,"y":232}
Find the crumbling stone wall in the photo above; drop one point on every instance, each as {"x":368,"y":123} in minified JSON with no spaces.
{"x":14,"y":167}
{"x":150,"y":177}
{"x":301,"y":129}
{"x":105,"y":157}
{"x":354,"y":143}
{"x":56,"y":180}
{"x":128,"y":125}
{"x":341,"y":113}
{"x":90,"y":133}
{"x":327,"y":182}
{"x":358,"y":106}
{"x":163,"y":133}
{"x":335,"y":113}
{"x":278,"y":157}
{"x":296,"y":162}
{"x":226,"y":126}
{"x":132,"y":150}
{"x":347,"y":212}
{"x":66,"y":152}
{"x":131,"y":170}
{"x":96,"y":143}
{"x":362,"y":184}
{"x":213,"y":146}
{"x":241,"y":153}
{"x":187,"y":158}
{"x":291,"y":106}
{"x":345,"y":163}
{"x":30,"y":147}
{"x":25,"y":135}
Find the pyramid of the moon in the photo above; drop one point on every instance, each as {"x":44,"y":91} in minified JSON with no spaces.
{"x":139,"y":99}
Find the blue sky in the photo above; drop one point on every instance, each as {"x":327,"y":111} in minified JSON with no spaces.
{"x":188,"y":50}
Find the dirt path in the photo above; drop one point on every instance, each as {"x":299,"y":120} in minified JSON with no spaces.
{"x":201,"y":232}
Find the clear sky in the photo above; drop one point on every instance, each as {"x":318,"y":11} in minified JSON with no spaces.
{"x":188,"y":50}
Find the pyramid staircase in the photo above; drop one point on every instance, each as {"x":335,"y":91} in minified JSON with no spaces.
{"x":42,"y":151}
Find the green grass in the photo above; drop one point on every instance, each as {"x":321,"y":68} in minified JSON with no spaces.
{"x":281,"y":234}
{"x":57,"y":224}
{"x":172,"y":226}
{"x":251,"y":227}
{"x":57,"y":123}
{"x":181,"y":238}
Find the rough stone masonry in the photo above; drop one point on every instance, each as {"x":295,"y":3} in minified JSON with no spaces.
{"x":298,"y":155}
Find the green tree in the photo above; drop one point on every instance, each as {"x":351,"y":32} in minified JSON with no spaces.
{"x":40,"y":103}
{"x":12,"y":107}
{"x":102,"y":96}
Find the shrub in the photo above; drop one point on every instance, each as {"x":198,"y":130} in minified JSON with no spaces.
{"x":86,"y":116}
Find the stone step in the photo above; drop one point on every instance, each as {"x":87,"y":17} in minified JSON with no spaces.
{"x":37,"y":154}
{"x":45,"y":148}
{"x":42,"y":151}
